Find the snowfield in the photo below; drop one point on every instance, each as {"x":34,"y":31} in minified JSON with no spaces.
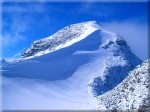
{"x":67,"y":70}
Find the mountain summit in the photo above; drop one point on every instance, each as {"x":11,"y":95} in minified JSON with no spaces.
{"x":61,"y":39}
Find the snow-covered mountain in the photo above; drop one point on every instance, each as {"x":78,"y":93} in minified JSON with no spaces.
{"x":2,"y":61}
{"x":61,"y":39}
{"x":65,"y":70}
{"x":131,"y":94}
{"x":117,"y":66}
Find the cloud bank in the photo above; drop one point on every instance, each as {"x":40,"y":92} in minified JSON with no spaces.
{"x":134,"y":32}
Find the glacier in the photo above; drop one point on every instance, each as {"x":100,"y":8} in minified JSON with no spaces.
{"x":67,"y":70}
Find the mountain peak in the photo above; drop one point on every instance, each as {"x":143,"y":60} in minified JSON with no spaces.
{"x":61,"y":39}
{"x":92,"y":24}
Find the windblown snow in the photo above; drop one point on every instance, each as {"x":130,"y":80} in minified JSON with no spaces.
{"x":67,"y":70}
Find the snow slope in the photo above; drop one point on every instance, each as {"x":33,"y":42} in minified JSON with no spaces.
{"x":131,"y":94}
{"x":57,"y":65}
{"x":61,"y":71}
{"x":61,"y":39}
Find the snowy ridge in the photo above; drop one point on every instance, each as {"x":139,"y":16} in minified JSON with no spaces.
{"x":61,"y":39}
{"x":117,"y":65}
{"x":131,"y":94}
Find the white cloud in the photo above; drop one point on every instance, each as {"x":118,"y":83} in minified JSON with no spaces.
{"x":21,"y":19}
{"x":11,"y":39}
{"x":18,"y":21}
{"x":134,"y":32}
{"x":14,"y":35}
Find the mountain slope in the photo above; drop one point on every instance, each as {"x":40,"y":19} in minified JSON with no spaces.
{"x":131,"y":94}
{"x":63,"y":59}
{"x":57,"y":70}
{"x":116,"y":67}
{"x":61,"y":39}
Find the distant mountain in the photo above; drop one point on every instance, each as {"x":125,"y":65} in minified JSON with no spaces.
{"x":131,"y":94}
{"x":3,"y":61}
{"x":79,"y":61}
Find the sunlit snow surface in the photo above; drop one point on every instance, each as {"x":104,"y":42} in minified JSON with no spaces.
{"x":62,"y":76}
{"x":71,"y":93}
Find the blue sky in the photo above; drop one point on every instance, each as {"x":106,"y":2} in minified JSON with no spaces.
{"x":22,"y":23}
